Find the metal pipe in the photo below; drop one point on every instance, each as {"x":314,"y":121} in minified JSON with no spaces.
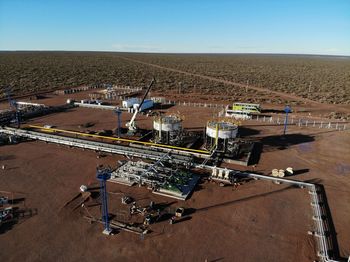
{"x":320,"y":226}
{"x":51,"y":130}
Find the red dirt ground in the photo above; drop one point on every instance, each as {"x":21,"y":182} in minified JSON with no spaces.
{"x":257,"y":221}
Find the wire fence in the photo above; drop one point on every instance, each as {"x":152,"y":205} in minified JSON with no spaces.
{"x":210,"y":105}
{"x":278,"y":120}
{"x":303,"y":122}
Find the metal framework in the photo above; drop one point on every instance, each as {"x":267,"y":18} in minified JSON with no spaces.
{"x":103,"y":175}
{"x":131,"y":124}
{"x":13,"y":104}
{"x":323,"y":239}
{"x":288,"y":110}
{"x":131,"y":151}
{"x":148,"y":153}
{"x":195,"y":152}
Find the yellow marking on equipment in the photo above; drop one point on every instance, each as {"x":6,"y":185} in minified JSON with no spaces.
{"x":52,"y":130}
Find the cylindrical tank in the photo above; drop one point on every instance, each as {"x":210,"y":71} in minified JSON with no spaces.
{"x":221,"y":129}
{"x":168,"y":123}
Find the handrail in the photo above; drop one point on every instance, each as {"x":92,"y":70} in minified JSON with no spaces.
{"x":119,"y":139}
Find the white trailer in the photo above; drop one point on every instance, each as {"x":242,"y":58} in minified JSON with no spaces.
{"x":147,"y":104}
{"x":130,"y":102}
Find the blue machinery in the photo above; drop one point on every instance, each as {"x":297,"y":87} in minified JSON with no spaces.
{"x":103,"y":175}
{"x":288,"y":110}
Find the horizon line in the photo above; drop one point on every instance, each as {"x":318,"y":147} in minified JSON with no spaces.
{"x":180,"y":53}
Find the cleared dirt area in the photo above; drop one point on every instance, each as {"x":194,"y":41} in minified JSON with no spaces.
{"x":258,"y":220}
{"x":272,"y":221}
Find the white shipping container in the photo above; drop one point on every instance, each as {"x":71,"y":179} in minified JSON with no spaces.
{"x":130,"y":102}
{"x":146,"y":105}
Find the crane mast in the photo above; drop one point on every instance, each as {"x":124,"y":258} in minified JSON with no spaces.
{"x":131,"y":124}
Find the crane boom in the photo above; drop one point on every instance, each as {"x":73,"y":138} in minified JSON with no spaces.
{"x":131,"y":124}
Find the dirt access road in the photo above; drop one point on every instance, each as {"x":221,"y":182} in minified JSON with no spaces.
{"x":339,"y":108}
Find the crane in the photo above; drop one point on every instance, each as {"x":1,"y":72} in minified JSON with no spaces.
{"x":131,"y":125}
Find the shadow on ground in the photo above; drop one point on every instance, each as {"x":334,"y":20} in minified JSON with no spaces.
{"x":280,"y":142}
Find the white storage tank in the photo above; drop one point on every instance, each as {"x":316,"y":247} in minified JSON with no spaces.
{"x":148,"y":103}
{"x":167,"y":123}
{"x":221,"y":134}
{"x":130,"y":102}
{"x":221,"y":129}
{"x":168,"y":129}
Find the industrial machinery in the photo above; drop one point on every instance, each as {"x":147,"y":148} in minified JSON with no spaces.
{"x":220,"y":135}
{"x":168,"y":129}
{"x":162,"y":177}
{"x":6,"y":215}
{"x":13,"y":104}
{"x":225,"y":176}
{"x":131,"y":125}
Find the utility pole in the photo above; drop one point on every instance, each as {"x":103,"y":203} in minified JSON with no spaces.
{"x":288,"y":110}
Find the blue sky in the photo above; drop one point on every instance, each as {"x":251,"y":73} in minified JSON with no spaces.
{"x":199,"y":26}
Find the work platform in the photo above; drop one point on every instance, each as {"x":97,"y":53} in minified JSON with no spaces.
{"x":127,"y":147}
{"x":162,"y":177}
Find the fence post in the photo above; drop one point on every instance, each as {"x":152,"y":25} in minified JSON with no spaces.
{"x":321,"y":124}
{"x":314,"y":123}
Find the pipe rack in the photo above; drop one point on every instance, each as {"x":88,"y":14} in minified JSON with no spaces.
{"x":324,"y":243}
{"x":147,"y":153}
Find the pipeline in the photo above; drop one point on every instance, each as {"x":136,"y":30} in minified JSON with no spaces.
{"x":151,"y":153}
{"x":51,"y":130}
{"x":321,"y":236}
{"x":148,"y":153}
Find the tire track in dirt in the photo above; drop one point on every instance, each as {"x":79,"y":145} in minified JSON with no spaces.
{"x":341,"y":108}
